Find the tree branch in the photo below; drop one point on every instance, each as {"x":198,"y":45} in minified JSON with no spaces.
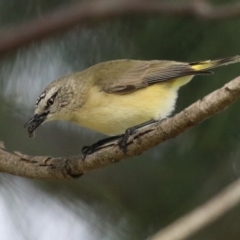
{"x":147,"y":137}
{"x":96,"y":11}
{"x":202,"y":216}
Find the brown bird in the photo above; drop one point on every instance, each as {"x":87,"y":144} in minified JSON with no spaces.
{"x":118,"y":97}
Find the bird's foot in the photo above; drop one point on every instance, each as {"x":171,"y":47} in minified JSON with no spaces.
{"x":87,"y":150}
{"x":122,"y":140}
{"x":122,"y":143}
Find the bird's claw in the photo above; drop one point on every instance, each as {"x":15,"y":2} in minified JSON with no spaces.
{"x":87,"y":150}
{"x":122,"y":143}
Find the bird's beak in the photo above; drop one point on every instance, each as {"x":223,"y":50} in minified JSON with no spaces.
{"x":34,"y":122}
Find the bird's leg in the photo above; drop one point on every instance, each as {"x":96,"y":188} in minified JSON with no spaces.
{"x":130,"y":131}
{"x":122,"y":143}
{"x":91,"y":149}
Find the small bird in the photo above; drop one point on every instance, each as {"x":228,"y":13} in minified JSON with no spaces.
{"x":118,"y":97}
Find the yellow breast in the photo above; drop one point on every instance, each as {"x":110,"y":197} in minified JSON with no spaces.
{"x":112,"y":114}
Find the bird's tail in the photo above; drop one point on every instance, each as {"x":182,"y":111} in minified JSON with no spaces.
{"x":209,"y":64}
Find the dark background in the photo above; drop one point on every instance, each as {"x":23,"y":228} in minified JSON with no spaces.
{"x":139,"y":196}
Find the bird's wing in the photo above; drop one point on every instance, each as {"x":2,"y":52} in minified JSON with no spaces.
{"x":144,"y":73}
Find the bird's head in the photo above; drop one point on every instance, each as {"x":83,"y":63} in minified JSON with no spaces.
{"x":50,"y":105}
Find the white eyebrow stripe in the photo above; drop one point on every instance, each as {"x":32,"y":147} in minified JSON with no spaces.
{"x":40,"y":98}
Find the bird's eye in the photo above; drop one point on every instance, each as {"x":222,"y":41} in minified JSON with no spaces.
{"x":50,"y":102}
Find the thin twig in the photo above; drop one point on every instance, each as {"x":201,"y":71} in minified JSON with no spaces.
{"x":202,"y":216}
{"x":96,"y":11}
